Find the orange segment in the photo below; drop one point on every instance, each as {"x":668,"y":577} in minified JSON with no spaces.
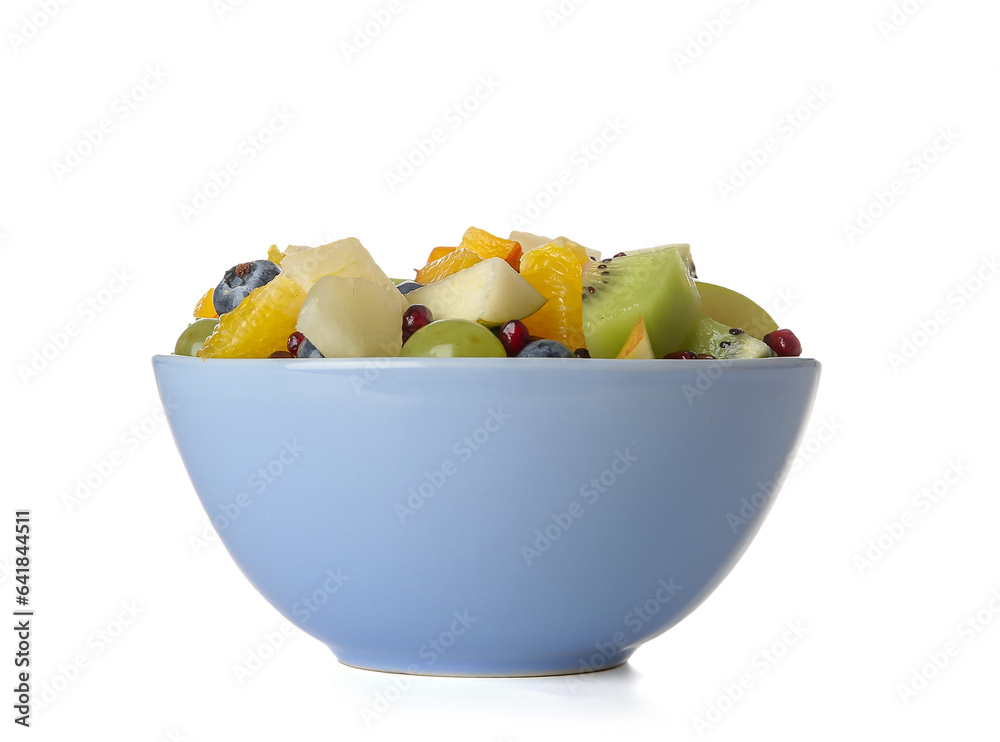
{"x":205,"y":308}
{"x":274,"y":254}
{"x":439,"y":252}
{"x":555,"y":270}
{"x":514,"y":258}
{"x":477,"y":244}
{"x":577,"y":249}
{"x":260,"y":324}
{"x":453,"y":262}
{"x":486,"y":245}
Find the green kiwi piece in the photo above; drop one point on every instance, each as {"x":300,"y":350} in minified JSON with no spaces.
{"x":656,"y":284}
{"x":714,"y":338}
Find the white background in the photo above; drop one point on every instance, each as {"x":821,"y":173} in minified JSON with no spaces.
{"x":696,"y":97}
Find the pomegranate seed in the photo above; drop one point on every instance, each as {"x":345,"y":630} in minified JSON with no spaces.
{"x":687,"y":354}
{"x":783,"y":343}
{"x":294,"y":341}
{"x":415,"y":317}
{"x":514,"y":337}
{"x":281,"y":354}
{"x":619,"y":255}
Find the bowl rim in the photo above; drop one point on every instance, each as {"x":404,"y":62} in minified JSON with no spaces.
{"x":594,"y":364}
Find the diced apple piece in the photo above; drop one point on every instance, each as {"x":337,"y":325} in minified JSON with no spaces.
{"x":489,"y":292}
{"x":637,"y":344}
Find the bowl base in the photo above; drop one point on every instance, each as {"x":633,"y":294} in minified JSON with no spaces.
{"x":577,"y":664}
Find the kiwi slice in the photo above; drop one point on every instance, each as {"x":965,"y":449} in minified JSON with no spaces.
{"x":655,"y":283}
{"x":714,"y":338}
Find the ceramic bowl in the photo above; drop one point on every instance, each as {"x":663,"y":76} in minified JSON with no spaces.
{"x":486,"y":517}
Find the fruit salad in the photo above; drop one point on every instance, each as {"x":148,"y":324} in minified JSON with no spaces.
{"x":522,"y":296}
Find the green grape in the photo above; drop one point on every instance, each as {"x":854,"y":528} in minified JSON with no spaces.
{"x":453,"y":338}
{"x":194,"y":336}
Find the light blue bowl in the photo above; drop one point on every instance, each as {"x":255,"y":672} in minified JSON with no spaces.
{"x":486,"y":517}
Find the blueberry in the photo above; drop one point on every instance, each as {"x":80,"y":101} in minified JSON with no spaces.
{"x":239,"y":281}
{"x":407,"y":286}
{"x":308,"y":350}
{"x":546,"y":349}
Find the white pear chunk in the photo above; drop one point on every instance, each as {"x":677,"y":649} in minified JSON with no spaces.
{"x":527,"y":240}
{"x":346,"y":258}
{"x":352,"y":318}
{"x":489,"y":292}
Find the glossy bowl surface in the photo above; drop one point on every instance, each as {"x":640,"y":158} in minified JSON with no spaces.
{"x":486,"y":517}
